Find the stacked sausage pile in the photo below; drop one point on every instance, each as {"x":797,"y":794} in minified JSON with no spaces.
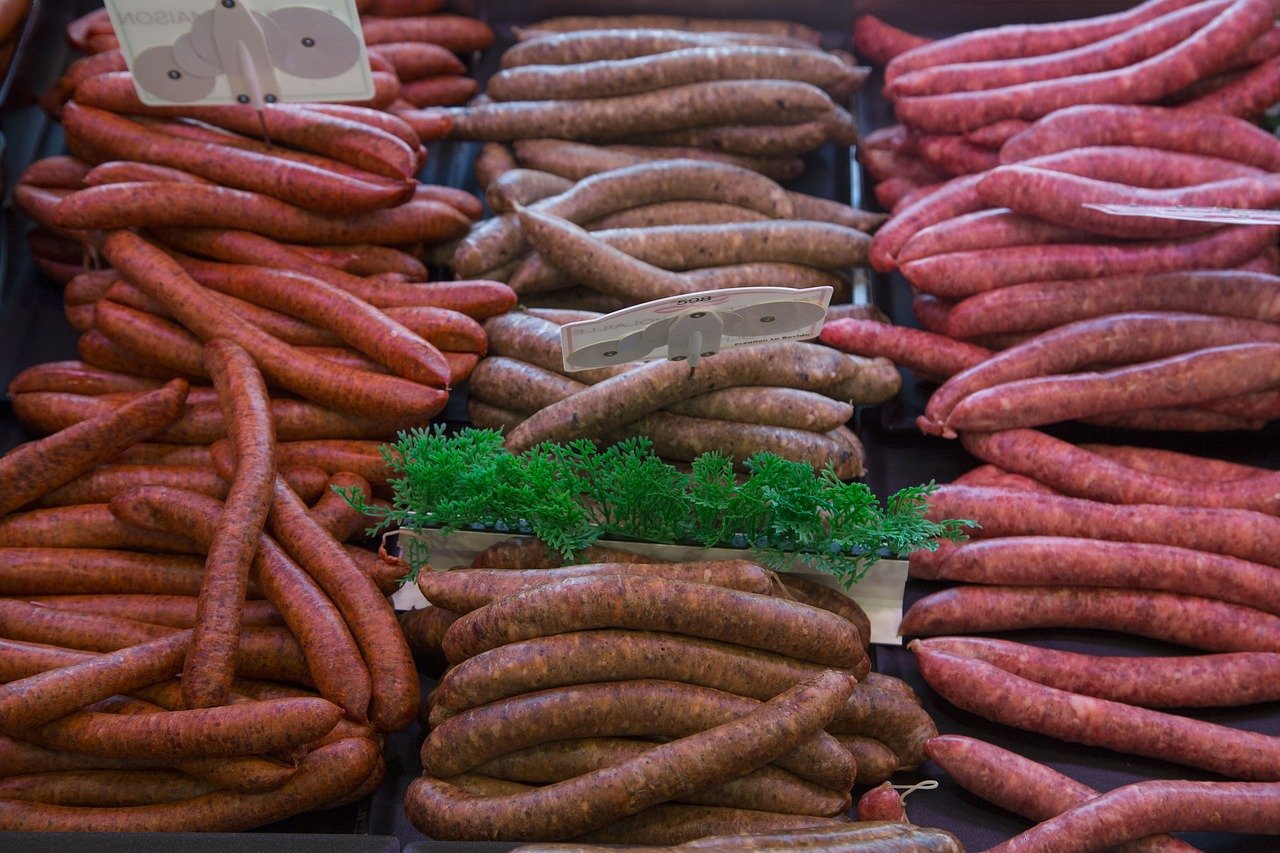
{"x":656,"y":229}
{"x":792,"y":399}
{"x":960,"y":98}
{"x":413,"y":52}
{"x":564,"y":677}
{"x":1133,"y":540}
{"x":292,"y":664}
{"x":761,"y":98}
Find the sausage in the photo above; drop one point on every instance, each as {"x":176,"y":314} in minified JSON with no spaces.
{"x":111,"y":206}
{"x":478,"y":299}
{"x":601,"y":43}
{"x":584,"y":657}
{"x":175,"y":611}
{"x":227,"y":730}
{"x":1170,"y":463}
{"x":457,"y":33}
{"x":954,"y":198}
{"x":103,"y":788}
{"x":350,"y":318}
{"x":960,"y":274}
{"x":1184,"y":619}
{"x":359,"y":144}
{"x":768,"y":789}
{"x":394,"y":701}
{"x":628,"y":397}
{"x":523,"y":186}
{"x":1145,"y":81}
{"x":1136,"y":810}
{"x":998,"y":478}
{"x":165,"y":281}
{"x":818,"y":595}
{"x":925,"y":352}
{"x":332,"y":655}
{"x":1058,"y":561}
{"x":1155,"y":127}
{"x":1193,"y":681}
{"x":62,"y":172}
{"x":362,"y":458}
{"x":882,"y":802}
{"x":576,"y":160}
{"x":242,"y":396}
{"x":776,"y":625}
{"x":611,"y":78}
{"x":1010,"y":42}
{"x":102,"y":483}
{"x":1000,"y":696}
{"x":996,"y":134}
{"x":494,"y":160}
{"x":1247,"y":96}
{"x":465,"y":590}
{"x":703,"y":104}
{"x":1195,"y":377}
{"x":65,"y":571}
{"x":670,"y":770}
{"x":501,"y":240}
{"x":1025,"y":189}
{"x":86,"y":526}
{"x":878,"y":42}
{"x":334,"y":514}
{"x":116,"y":137}
{"x":893,"y":719}
{"x":1238,"y":533}
{"x":41,"y":466}
{"x":323,"y":775}
{"x":1084,"y":474}
{"x":770,"y":406}
{"x":1044,"y":305}
{"x":717,"y":26}
{"x":42,"y":698}
{"x":366,"y":259}
{"x":1125,"y":48}
{"x":1024,"y":787}
{"x":415,"y":60}
{"x":987,"y":229}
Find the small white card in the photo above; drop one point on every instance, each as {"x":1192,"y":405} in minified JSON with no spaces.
{"x":251,"y":52}
{"x":1225,"y":215}
{"x":694,"y":326}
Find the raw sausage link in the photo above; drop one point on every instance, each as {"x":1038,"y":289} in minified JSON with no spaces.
{"x":583,"y":657}
{"x":41,"y":466}
{"x":1139,"y":809}
{"x":1060,"y":561}
{"x":242,"y":396}
{"x":1001,"y":512}
{"x":332,"y":656}
{"x":1028,"y":39}
{"x":704,"y":104}
{"x":344,"y":389}
{"x":1024,"y":787}
{"x":65,"y":571}
{"x":470,"y":589}
{"x":699,"y":610}
{"x":1078,"y":472}
{"x":1044,"y":305}
{"x":768,"y":789}
{"x":324,"y":775}
{"x":1005,"y":698}
{"x":1207,"y":50}
{"x":1197,"y":377}
{"x":570,"y":808}
{"x":1193,"y":681}
{"x":1196,"y":622}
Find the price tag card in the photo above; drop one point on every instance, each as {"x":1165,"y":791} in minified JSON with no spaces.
{"x":1225,"y":215}
{"x":251,"y":52}
{"x":694,"y":326}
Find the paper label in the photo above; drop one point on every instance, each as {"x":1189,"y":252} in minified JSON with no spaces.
{"x":694,"y":326}
{"x":221,"y":52}
{"x":1225,"y":215}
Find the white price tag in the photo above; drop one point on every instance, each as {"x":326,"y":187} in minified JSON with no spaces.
{"x":1226,"y":215}
{"x":251,"y":52}
{"x":694,"y":326}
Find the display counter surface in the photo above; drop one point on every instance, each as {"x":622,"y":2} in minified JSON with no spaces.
{"x":33,"y":330}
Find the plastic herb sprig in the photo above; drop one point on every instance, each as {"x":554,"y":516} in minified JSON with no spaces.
{"x":570,"y":495}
